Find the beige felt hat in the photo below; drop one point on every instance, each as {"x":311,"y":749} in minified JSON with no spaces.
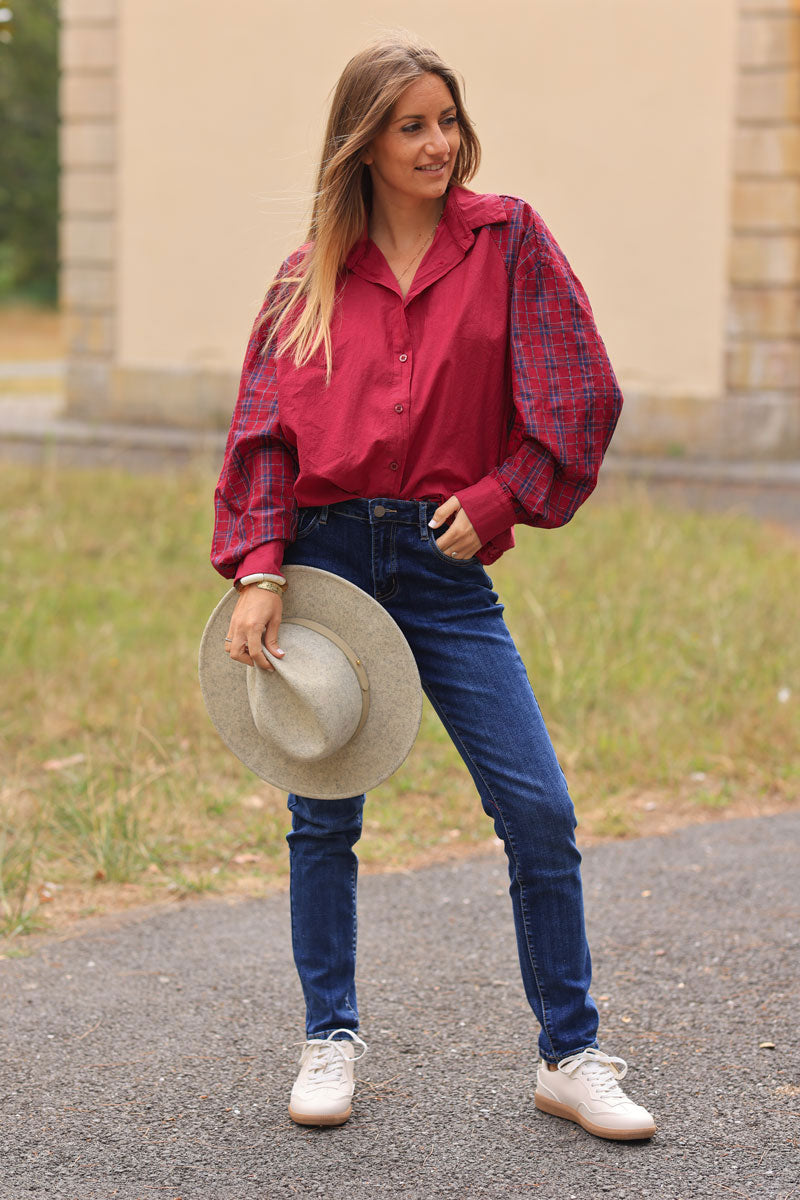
{"x":340,"y":712}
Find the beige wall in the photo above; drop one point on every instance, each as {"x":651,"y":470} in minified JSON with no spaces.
{"x":762,"y":393}
{"x":612,"y":117}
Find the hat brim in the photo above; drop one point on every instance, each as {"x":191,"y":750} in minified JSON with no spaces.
{"x":395,"y":705}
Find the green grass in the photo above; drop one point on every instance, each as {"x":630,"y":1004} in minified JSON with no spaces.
{"x":658,"y":643}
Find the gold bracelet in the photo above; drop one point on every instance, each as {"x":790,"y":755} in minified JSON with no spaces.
{"x":267,"y":585}
{"x":259,"y":582}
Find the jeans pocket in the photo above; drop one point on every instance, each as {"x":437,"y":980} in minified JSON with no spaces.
{"x":454,"y":562}
{"x":307,"y":522}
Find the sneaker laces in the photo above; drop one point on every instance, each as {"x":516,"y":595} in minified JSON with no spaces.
{"x":327,"y":1058}
{"x":599,"y":1070}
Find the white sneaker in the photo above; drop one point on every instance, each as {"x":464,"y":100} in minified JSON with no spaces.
{"x":324,"y":1087}
{"x":585,"y":1088}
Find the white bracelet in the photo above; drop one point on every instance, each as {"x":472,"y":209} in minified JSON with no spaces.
{"x":260,"y":578}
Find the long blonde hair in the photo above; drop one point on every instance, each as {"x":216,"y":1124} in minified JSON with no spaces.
{"x":299,"y":318}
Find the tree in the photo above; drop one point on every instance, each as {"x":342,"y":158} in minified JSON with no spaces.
{"x":29,"y":150}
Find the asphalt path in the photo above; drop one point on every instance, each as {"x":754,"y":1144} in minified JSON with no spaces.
{"x":153,"y":1056}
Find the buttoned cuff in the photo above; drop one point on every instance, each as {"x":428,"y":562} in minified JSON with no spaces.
{"x":489,"y":507}
{"x":263,"y":560}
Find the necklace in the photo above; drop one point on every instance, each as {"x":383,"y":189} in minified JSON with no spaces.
{"x":422,"y":249}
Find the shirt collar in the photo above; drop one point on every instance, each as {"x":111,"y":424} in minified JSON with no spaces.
{"x":472,"y":210}
{"x":464,"y":211}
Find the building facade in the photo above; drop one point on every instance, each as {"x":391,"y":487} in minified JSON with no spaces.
{"x":660,"y":142}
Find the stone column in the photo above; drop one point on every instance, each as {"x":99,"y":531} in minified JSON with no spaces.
{"x":763,"y":336}
{"x":88,"y":199}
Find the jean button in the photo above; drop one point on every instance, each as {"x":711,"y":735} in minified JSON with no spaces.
{"x":379,"y":510}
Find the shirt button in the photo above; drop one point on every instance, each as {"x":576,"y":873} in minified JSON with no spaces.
{"x":393,"y":466}
{"x":398,"y":408}
{"x":403,"y":358}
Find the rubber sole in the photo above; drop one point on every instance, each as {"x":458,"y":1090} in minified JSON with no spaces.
{"x":306,"y":1119}
{"x":617,"y":1135}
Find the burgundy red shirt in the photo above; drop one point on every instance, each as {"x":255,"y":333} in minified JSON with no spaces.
{"x":489,"y":381}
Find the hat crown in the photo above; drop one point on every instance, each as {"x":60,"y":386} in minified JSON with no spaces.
{"x":312,"y":703}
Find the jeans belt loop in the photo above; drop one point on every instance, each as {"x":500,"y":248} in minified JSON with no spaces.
{"x":323,"y":514}
{"x":423,"y":520}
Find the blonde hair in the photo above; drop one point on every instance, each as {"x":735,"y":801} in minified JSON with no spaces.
{"x":299,"y":318}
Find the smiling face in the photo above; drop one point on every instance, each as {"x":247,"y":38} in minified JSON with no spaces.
{"x":413,"y":157}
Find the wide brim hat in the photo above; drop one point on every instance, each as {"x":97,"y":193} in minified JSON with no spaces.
{"x":340,"y":712}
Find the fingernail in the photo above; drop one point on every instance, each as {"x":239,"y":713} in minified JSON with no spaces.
{"x":279,"y":653}
{"x":433,"y":522}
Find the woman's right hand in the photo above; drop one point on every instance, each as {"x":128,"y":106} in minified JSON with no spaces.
{"x":255,"y":622}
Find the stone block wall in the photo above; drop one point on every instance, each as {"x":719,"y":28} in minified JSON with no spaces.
{"x":763,"y":333}
{"x":88,"y":158}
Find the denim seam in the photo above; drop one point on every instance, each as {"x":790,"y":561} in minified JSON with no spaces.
{"x":295,"y":945}
{"x":353,"y":886}
{"x":392,"y":556}
{"x":465,"y":752}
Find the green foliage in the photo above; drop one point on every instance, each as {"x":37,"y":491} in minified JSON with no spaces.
{"x":29,"y":151}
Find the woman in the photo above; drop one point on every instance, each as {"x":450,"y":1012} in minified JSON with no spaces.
{"x":426,"y":362}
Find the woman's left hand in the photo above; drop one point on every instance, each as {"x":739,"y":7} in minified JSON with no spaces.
{"x":460,"y":536}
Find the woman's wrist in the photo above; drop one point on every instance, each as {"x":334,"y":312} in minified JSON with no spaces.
{"x":258,"y":578}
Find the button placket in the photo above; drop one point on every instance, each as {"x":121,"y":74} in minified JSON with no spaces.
{"x":402,"y":355}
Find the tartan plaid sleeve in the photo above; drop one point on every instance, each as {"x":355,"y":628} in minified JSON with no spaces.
{"x":566,"y":399}
{"x":255,"y":508}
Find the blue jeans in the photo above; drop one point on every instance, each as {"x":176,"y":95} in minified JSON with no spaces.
{"x":476,"y":681}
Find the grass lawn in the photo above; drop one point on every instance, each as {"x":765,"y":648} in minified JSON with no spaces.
{"x":662,"y":646}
